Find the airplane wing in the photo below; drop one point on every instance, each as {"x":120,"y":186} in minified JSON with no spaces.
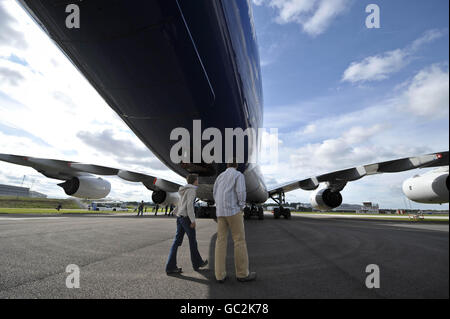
{"x":336,"y":181}
{"x":65,"y":170}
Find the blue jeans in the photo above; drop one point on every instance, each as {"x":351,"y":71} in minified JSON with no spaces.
{"x":184,"y":227}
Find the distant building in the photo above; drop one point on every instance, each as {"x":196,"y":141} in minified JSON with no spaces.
{"x":8,"y":190}
{"x":369,"y":208}
{"x":302,"y":207}
{"x":347,"y":208}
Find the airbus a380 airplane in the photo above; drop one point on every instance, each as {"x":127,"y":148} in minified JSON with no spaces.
{"x":160,"y":65}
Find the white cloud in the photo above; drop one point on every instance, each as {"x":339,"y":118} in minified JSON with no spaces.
{"x":9,"y":35}
{"x":352,"y":147}
{"x":426,"y":38}
{"x":428,"y":93}
{"x":375,"y":68}
{"x":270,"y":144}
{"x":380,"y":67}
{"x":309,"y":129}
{"x":326,"y":12}
{"x":315,"y":16}
{"x":258,"y":2}
{"x":270,"y":53}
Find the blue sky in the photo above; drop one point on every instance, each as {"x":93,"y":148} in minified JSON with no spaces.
{"x":302,"y":67}
{"x":339,"y":94}
{"x":342,"y":94}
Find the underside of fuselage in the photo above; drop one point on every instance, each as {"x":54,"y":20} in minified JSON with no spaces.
{"x":161,"y":64}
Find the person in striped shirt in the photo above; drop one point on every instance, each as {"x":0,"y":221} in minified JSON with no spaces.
{"x":230,"y":194}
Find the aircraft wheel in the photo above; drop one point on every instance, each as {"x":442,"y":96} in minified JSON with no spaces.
{"x":287,"y":213}
{"x":260,"y":213}
{"x":276,"y":213}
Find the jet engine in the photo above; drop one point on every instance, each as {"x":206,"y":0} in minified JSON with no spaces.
{"x":164,"y":198}
{"x":325,"y":199}
{"x":430,"y":188}
{"x":90,"y":187}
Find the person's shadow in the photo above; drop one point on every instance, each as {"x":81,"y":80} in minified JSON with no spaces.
{"x":206,"y":273}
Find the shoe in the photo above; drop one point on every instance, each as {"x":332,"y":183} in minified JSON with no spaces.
{"x":251,"y":276}
{"x":174,"y":271}
{"x":204,"y":263}
{"x":221,"y":281}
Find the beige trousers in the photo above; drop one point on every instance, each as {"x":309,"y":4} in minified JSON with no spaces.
{"x":236,"y":225}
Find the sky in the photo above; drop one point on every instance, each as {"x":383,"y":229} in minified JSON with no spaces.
{"x":339,"y":93}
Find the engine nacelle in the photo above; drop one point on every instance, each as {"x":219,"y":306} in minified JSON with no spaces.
{"x":89,"y":187}
{"x":430,"y":188}
{"x":325,"y":199}
{"x":165,"y":198}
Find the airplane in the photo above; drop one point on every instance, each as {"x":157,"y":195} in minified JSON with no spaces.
{"x":163,"y":64}
{"x":429,"y":188}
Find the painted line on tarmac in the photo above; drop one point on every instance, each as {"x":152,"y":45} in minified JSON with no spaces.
{"x":368,"y":216}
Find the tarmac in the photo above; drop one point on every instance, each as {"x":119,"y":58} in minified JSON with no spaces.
{"x":124,"y":256}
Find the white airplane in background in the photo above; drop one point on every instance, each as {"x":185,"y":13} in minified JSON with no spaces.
{"x":160,"y":65}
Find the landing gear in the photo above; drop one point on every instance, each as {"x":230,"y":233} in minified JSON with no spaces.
{"x":280,"y":210}
{"x":254,"y":210}
{"x":260,"y":213}
{"x":205,"y":212}
{"x":276,"y":213}
{"x":287,"y":213}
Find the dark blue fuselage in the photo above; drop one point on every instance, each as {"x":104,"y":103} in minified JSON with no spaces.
{"x":160,"y":64}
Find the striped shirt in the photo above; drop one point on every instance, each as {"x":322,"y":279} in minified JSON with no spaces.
{"x":229,"y":193}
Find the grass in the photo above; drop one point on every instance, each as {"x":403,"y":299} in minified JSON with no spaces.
{"x":49,"y":211}
{"x":28,"y":202}
{"x":27,"y":205}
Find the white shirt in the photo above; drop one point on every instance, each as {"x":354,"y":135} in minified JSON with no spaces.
{"x":229,"y":193}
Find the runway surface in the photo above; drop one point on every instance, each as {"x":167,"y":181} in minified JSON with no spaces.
{"x":124,"y":257}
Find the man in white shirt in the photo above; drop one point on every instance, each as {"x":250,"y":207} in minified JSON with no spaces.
{"x":229,"y":195}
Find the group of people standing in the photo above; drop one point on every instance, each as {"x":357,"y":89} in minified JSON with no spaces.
{"x":229,"y":195}
{"x":141,"y":207}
